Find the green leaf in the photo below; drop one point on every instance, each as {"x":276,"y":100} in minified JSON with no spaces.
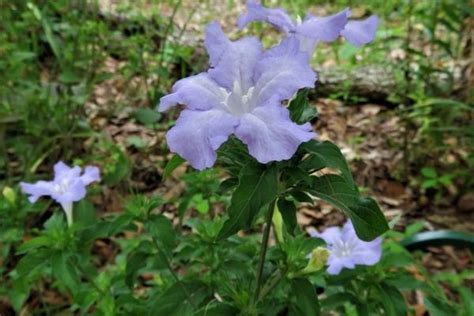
{"x":147,"y":116}
{"x":288,"y":213}
{"x":300,"y":109}
{"x":328,"y":155}
{"x":305,"y":301}
{"x":393,"y":302}
{"x":84,"y":213}
{"x":338,"y":299}
{"x":34,"y":243}
{"x":120,"y":171}
{"x":162,"y":231}
{"x":437,"y":307}
{"x":172,"y":164}
{"x":174,"y":302}
{"x":135,"y":261}
{"x":369,"y":221}
{"x":201,"y":204}
{"x":429,"y":173}
{"x":69,"y":77}
{"x":64,"y":271}
{"x":257,"y":187}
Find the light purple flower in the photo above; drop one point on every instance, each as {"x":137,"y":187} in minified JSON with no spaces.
{"x":68,"y":186}
{"x":347,"y":250}
{"x":241,"y":94}
{"x":313,"y":29}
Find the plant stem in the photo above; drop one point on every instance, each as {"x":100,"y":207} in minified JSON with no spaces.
{"x":170,"y":268}
{"x":271,"y":284}
{"x":263,"y":248}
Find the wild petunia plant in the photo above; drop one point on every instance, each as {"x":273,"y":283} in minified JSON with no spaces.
{"x":249,"y":115}
{"x":274,"y":160}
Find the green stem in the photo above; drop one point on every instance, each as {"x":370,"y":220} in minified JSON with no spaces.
{"x":263,"y":248}
{"x":170,"y":268}
{"x":271,"y":284}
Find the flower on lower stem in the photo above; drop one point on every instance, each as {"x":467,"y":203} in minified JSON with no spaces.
{"x":241,"y":94}
{"x":68,"y":186}
{"x":347,"y":250}
{"x":313,"y":29}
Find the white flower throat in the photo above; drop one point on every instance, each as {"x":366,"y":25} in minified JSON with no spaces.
{"x":343,"y":248}
{"x":238,"y":102}
{"x":62,"y":187}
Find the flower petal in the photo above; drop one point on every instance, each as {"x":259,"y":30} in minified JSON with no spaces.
{"x":91,"y":174}
{"x":76,"y":191}
{"x":334,"y":265}
{"x":282,"y":71}
{"x":61,"y":168}
{"x":231,"y":62}
{"x":277,"y":17}
{"x":198,"y":134}
{"x":37,"y":190}
{"x":326,"y":29}
{"x":330,"y":235}
{"x":361,"y":32}
{"x":368,"y":254}
{"x":270,"y":134}
{"x":197,"y":92}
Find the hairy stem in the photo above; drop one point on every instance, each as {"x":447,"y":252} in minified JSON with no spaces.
{"x":263,"y":248}
{"x":173,"y":273}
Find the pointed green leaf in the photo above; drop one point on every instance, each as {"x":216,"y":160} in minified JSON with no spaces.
{"x":288,"y":213}
{"x":300,"y":109}
{"x":369,"y":221}
{"x":257,"y":187}
{"x":305,"y":301}
{"x":172,"y":164}
{"x":328,"y":155}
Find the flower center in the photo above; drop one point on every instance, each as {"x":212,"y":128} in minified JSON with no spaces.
{"x":343,"y":248}
{"x":237,"y":102}
{"x":61,"y":187}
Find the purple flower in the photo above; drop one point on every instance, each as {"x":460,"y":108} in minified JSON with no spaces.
{"x":347,"y":250}
{"x":241,"y":94}
{"x":68,"y":186}
{"x":313,"y":29}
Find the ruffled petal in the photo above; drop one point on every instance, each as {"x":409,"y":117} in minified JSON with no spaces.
{"x":367,"y":254}
{"x":91,"y":174}
{"x":335,"y":265}
{"x":330,"y":235}
{"x":232,"y":62}
{"x":326,"y":29}
{"x":198,"y":134}
{"x":282,"y":71}
{"x":270,"y":134}
{"x":61,"y":168}
{"x":277,"y":17}
{"x":62,"y":171}
{"x":361,"y":32}
{"x":197,"y":92}
{"x":37,"y":190}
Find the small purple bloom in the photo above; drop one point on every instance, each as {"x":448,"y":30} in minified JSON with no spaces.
{"x":241,"y":94}
{"x":313,"y":29}
{"x":68,"y":186}
{"x":347,"y":250}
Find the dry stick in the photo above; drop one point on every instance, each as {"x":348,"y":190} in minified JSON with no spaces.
{"x":263,"y":248}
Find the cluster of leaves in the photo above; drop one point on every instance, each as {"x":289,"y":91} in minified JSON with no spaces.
{"x":53,"y":55}
{"x":213,"y":278}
